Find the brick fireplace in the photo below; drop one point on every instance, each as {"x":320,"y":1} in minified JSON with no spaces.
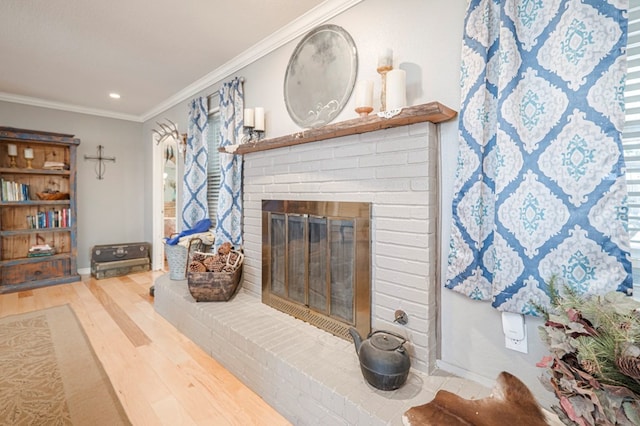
{"x":308,"y":374}
{"x":396,"y":171}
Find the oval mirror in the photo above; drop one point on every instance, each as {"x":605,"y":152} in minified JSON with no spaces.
{"x":320,"y":76}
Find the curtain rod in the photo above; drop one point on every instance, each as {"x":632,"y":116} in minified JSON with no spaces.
{"x":217,"y":92}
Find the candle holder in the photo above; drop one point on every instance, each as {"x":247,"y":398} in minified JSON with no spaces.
{"x":383,"y":70}
{"x":252,"y":134}
{"x":364,"y":110}
{"x":28,"y":156}
{"x":253,"y":124}
{"x":12,"y":152}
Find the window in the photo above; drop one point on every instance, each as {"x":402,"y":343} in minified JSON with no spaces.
{"x":631,"y":136}
{"x":213,"y":163}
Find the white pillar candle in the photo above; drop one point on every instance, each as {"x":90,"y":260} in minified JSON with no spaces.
{"x":248,"y":117}
{"x":13,"y":150}
{"x":385,"y":59}
{"x":28,"y":153}
{"x":259,"y":119}
{"x":396,"y":89}
{"x":364,"y":93}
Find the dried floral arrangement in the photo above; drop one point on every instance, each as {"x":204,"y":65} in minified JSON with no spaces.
{"x":594,"y":366}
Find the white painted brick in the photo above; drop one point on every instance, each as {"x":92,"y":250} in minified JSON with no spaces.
{"x":403,"y":211}
{"x":392,"y":224}
{"x":252,"y":220}
{"x":359,"y":149}
{"x":305,"y":187}
{"x":394,"y":132}
{"x":419,"y":269}
{"x":425,"y":128}
{"x":400,"y":278}
{"x":315,"y":155}
{"x":403,"y":252}
{"x":397,"y":159}
{"x":283,"y":178}
{"x":251,"y":190}
{"x":340,"y":163}
{"x":252,"y":162}
{"x":303,"y":166}
{"x":264,"y":179}
{"x":401,"y":291}
{"x":407,"y":171}
{"x":395,"y":198}
{"x":424,"y":184}
{"x":406,"y":144}
{"x":419,"y":156}
{"x":403,"y":239}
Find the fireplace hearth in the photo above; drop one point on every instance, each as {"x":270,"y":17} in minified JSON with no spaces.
{"x":316,"y":262}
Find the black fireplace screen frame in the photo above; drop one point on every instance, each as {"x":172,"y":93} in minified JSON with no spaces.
{"x":356,"y":218}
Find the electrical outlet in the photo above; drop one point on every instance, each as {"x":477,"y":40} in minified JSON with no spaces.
{"x":515,"y":331}
{"x":517,"y":345}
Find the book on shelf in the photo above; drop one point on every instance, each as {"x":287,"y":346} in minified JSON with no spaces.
{"x":53,"y":218}
{"x":41,"y":253}
{"x":55,"y":165}
{"x":13,"y":191}
{"x":41,"y":250}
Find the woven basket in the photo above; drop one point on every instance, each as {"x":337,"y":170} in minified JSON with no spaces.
{"x":215,"y":286}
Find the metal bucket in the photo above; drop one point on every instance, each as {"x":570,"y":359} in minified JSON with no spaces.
{"x":177,"y":257}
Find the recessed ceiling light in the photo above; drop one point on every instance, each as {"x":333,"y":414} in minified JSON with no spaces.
{"x":114,"y":95}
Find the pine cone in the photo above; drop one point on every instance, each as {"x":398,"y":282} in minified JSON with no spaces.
{"x":629,"y":366}
{"x":590,"y":366}
{"x":196,"y":266}
{"x":225,"y":248}
{"x":198,"y":257}
{"x":210,"y":262}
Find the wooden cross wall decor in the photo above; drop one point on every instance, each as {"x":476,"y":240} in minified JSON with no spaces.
{"x":100,"y":161}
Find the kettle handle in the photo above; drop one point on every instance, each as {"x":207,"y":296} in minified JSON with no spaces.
{"x":404,"y":340}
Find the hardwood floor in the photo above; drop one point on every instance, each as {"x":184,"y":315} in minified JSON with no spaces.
{"x":160,"y":376}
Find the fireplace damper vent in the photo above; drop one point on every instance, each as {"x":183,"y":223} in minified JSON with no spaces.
{"x":316,"y":262}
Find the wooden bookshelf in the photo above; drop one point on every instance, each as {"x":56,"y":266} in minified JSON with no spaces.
{"x":433,"y":112}
{"x":18,"y":231}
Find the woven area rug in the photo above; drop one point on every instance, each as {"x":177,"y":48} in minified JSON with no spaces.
{"x":50,"y":375}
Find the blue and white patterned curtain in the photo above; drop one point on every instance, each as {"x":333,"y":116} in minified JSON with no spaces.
{"x":229,"y":213}
{"x":195,"y":207}
{"x":540,"y":188}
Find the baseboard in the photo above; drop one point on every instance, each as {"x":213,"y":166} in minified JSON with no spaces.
{"x":84,"y":271}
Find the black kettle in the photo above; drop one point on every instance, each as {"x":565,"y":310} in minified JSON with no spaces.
{"x":384,"y":361}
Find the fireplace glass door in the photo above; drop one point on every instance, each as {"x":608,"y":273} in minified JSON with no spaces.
{"x":317,"y":264}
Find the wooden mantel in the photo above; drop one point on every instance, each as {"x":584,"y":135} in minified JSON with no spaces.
{"x":434,"y":112}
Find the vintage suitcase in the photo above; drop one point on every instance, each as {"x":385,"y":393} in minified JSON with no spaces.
{"x":118,"y":268}
{"x":120,"y":259}
{"x":111,"y":252}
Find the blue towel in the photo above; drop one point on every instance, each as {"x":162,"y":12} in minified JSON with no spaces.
{"x":202,"y":226}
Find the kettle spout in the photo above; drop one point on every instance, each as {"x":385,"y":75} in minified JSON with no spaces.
{"x":357,"y":340}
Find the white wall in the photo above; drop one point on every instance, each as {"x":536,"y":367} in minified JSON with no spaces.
{"x":110,"y":211}
{"x":426,"y":38}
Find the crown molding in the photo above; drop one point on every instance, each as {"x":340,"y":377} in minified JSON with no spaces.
{"x":291,"y":31}
{"x":37,"y":102}
{"x":316,"y":16}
